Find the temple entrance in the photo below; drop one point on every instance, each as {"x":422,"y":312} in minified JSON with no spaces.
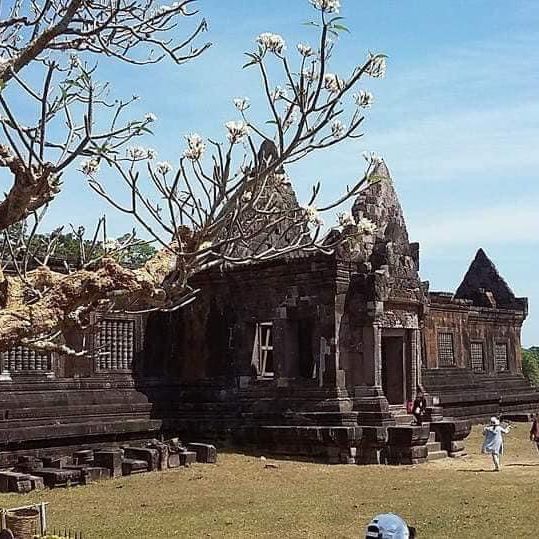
{"x":393,"y":369}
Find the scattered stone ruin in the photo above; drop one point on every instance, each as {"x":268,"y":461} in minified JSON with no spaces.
{"x":309,"y":354}
{"x":89,"y":465}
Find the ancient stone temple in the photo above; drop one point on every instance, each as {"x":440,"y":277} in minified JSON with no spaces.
{"x":311,"y":354}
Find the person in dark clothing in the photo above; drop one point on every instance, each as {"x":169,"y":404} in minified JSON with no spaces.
{"x":534,"y":431}
{"x":419,"y":407}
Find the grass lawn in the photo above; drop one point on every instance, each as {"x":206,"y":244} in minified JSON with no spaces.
{"x":239,"y":498}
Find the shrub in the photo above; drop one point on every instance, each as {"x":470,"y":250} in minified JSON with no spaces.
{"x":530,"y":365}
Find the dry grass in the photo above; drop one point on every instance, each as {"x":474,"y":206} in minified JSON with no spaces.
{"x":239,"y":498}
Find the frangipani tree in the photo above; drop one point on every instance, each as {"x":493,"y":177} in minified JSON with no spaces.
{"x":222,"y":198}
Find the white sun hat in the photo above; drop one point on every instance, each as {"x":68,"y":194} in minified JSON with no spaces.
{"x":494,"y":421}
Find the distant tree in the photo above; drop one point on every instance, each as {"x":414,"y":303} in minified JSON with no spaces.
{"x":203,"y":212}
{"x":530,"y":364}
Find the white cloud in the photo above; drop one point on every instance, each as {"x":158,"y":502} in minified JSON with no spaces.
{"x":513,"y":224}
{"x":458,"y":146}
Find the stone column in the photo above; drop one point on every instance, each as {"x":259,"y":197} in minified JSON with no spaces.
{"x":372,"y":355}
{"x":377,"y":356}
{"x":415,"y":351}
{"x":5,"y":375}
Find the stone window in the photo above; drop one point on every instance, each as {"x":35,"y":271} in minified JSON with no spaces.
{"x":501,"y":359}
{"x":115,"y":344}
{"x":263,"y":350}
{"x":477,"y":357}
{"x":24,"y":360}
{"x":446,"y":351}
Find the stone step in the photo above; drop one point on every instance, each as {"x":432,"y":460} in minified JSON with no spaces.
{"x":437,"y":455}
{"x":132,"y":466}
{"x":433,"y":447}
{"x":404,"y":419}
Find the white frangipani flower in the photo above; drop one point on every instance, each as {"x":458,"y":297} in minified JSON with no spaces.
{"x":365,"y":226}
{"x":163,"y":9}
{"x":333,"y":83}
{"x":346,"y":219}
{"x":310,"y":74}
{"x":164,"y":167}
{"x":195,"y":147}
{"x":236,"y":131}
{"x":242,"y":103}
{"x":137,"y":153}
{"x":204,"y":245}
{"x":364,"y":99}
{"x":372,"y":158}
{"x":279,"y":93}
{"x":150,"y":117}
{"x":377,"y":66}
{"x":290,"y":116}
{"x":338,"y":129}
{"x":305,"y":50}
{"x":247,"y":196}
{"x":90,"y":167}
{"x":329,"y":6}
{"x":271,"y":42}
{"x":312,"y":216}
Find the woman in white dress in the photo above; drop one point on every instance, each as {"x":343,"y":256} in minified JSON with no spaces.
{"x":493,"y":444}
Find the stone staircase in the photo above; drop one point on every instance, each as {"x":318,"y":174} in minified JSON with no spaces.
{"x":434,"y":449}
{"x":403,"y":418}
{"x":400,"y":415}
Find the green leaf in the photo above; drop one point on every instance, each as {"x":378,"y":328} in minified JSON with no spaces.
{"x":341,"y":27}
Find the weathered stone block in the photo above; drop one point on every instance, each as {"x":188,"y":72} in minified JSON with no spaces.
{"x":147,"y":454}
{"x":187,"y":458}
{"x":89,"y":473}
{"x":163,"y":452}
{"x":56,"y":462}
{"x":59,"y":477}
{"x":455,"y":446}
{"x":407,"y":435}
{"x":111,"y":459}
{"x":85,"y":456}
{"x":26,"y":464}
{"x":15,"y":482}
{"x":173,"y":460}
{"x":204,"y":452}
{"x":133,"y":466}
{"x":95,"y":473}
{"x":407,"y":455}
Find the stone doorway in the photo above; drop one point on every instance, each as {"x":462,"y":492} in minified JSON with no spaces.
{"x":393,"y":369}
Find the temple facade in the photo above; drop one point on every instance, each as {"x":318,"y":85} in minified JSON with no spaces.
{"x":311,"y":354}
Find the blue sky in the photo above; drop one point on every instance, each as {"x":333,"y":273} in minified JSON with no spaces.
{"x":456,"y":119}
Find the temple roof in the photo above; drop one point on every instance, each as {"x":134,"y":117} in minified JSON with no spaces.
{"x":380,"y":204}
{"x":388,"y":249}
{"x":277,"y":204}
{"x":483,"y":281}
